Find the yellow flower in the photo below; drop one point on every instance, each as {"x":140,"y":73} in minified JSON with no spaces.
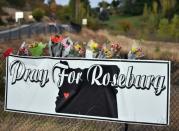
{"x":106,"y":50}
{"x":134,"y":50}
{"x":93,"y":45}
{"x":107,"y":53}
{"x":77,"y":47}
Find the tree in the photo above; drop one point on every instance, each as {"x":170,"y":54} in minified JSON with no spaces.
{"x":17,"y":3}
{"x":79,"y":9}
{"x":177,"y":7}
{"x":115,"y":3}
{"x":164,"y":28}
{"x":38,"y":14}
{"x":175,"y":27}
{"x":35,"y":3}
{"x":87,"y":7}
{"x":2,"y":3}
{"x":168,"y":7}
{"x":72,"y":7}
{"x":103,"y":4}
{"x":64,"y":13}
{"x":145,"y":11}
{"x":115,"y":6}
{"x":135,"y":7}
{"x":53,"y":6}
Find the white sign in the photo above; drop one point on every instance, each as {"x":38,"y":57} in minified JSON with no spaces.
{"x":84,"y":21}
{"x":113,"y":90}
{"x":19,"y":15}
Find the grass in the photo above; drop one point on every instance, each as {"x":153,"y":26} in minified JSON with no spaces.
{"x":115,"y":20}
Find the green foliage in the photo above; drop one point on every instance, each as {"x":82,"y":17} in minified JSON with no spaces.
{"x":87,"y":7}
{"x":145,"y":11}
{"x":32,"y":4}
{"x":175,"y":27}
{"x":153,"y":22}
{"x":164,"y":28}
{"x":3,"y":3}
{"x":168,"y":7}
{"x":151,"y":18}
{"x":72,"y":7}
{"x":79,"y":9}
{"x":169,"y":30}
{"x":155,"y":8}
{"x":135,"y":7}
{"x":103,"y":4}
{"x":95,"y":24}
{"x":53,"y":6}
{"x":38,"y":14}
{"x":64,"y":14}
{"x":17,"y":3}
{"x":82,"y":12}
{"x":115,"y":3}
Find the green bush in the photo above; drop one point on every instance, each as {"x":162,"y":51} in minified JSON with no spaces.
{"x":95,"y":24}
{"x":38,"y":14}
{"x":174,"y":29}
{"x":153,"y":22}
{"x":164,"y":29}
{"x":64,"y":14}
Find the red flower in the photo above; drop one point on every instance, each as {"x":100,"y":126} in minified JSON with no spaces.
{"x":56,"y":39}
{"x":7,"y":53}
{"x":116,"y":46}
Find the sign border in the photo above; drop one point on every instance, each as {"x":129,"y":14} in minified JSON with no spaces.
{"x":85,"y":117}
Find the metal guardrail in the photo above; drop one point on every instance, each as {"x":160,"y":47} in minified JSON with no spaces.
{"x":34,"y":29}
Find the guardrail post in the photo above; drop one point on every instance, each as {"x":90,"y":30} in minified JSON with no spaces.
{"x":125,"y":127}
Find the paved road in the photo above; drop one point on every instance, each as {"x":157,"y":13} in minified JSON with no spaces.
{"x":29,"y":30}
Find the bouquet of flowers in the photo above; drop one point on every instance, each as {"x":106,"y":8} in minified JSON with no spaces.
{"x":135,"y":53}
{"x":62,"y":46}
{"x":55,"y":46}
{"x":23,"y":50}
{"x":115,"y":49}
{"x":37,"y":48}
{"x":77,"y":50}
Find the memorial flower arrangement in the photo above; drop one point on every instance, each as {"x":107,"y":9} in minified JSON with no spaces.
{"x":56,"y":39}
{"x":94,"y":46}
{"x":36,"y":49}
{"x":135,"y":53}
{"x":23,"y":50}
{"x":63,"y":46}
{"x":77,"y":50}
{"x":115,"y":49}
